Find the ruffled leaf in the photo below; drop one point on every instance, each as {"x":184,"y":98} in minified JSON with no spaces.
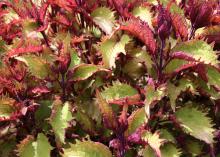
{"x":84,"y":71}
{"x":36,"y":65}
{"x":109,"y":117}
{"x":119,"y":93}
{"x":196,"y":123}
{"x":59,"y":119}
{"x":136,"y":120}
{"x":142,"y":31}
{"x":104,"y":18}
{"x":153,"y":140}
{"x":87,"y":149}
{"x":110,"y":49}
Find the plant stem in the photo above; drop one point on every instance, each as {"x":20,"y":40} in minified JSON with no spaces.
{"x":63,"y":86}
{"x":160,"y":70}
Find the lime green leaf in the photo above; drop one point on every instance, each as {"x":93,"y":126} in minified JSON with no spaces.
{"x":104,"y":18}
{"x":109,"y":117}
{"x":153,"y":96}
{"x":30,"y":148}
{"x":199,"y":50}
{"x":174,"y":65}
{"x":119,"y":92}
{"x":153,"y":141}
{"x":195,"y":123}
{"x":167,"y":150}
{"x":59,"y":119}
{"x":136,"y":120}
{"x":7,"y":107}
{"x":174,"y":91}
{"x":144,"y":14}
{"x":37,"y":65}
{"x":110,"y":48}
{"x":84,"y":71}
{"x":87,"y":149}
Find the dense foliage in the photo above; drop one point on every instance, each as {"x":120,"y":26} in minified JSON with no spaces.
{"x":104,"y":78}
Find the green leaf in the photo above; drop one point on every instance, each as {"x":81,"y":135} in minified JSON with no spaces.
{"x":7,"y":147}
{"x":111,"y":48}
{"x":165,"y":134}
{"x":213,"y":76}
{"x":85,"y":121}
{"x":194,"y":147}
{"x":7,"y":107}
{"x":195,"y":123}
{"x":144,"y":14}
{"x":153,"y":141}
{"x":152,"y":96}
{"x":167,"y":150}
{"x":30,"y":148}
{"x":37,"y":65}
{"x":199,"y":50}
{"x":136,"y":120}
{"x":104,"y":18}
{"x":109,"y":117}
{"x":118,"y":92}
{"x":174,"y":65}
{"x":87,"y":149}
{"x":84,"y":71}
{"x":59,"y":119}
{"x":174,"y":91}
{"x":75,"y":60}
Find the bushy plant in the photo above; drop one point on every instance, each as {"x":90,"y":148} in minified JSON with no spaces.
{"x":104,"y":78}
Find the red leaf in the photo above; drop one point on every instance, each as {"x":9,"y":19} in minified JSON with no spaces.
{"x":24,"y":50}
{"x":180,"y":26}
{"x":142,"y":31}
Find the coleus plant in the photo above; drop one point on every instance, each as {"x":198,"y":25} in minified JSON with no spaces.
{"x":104,"y":78}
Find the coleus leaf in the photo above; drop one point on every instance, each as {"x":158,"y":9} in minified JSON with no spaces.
{"x":7,"y":147}
{"x":8,"y":109}
{"x":213,"y":76}
{"x":108,"y":114}
{"x":36,"y":65}
{"x":59,"y":119}
{"x":110,"y":49}
{"x":141,"y":30}
{"x":87,"y":149}
{"x":104,"y":18}
{"x":178,"y":21}
{"x":153,"y":96}
{"x":198,"y":50}
{"x":194,"y":147}
{"x":174,"y":91}
{"x":31,"y":148}
{"x":137,"y":119}
{"x":196,"y":123}
{"x":153,"y":140}
{"x":120,"y":93}
{"x":167,"y":150}
{"x":144,"y":13}
{"x":84,"y":71}
{"x":85,"y":121}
